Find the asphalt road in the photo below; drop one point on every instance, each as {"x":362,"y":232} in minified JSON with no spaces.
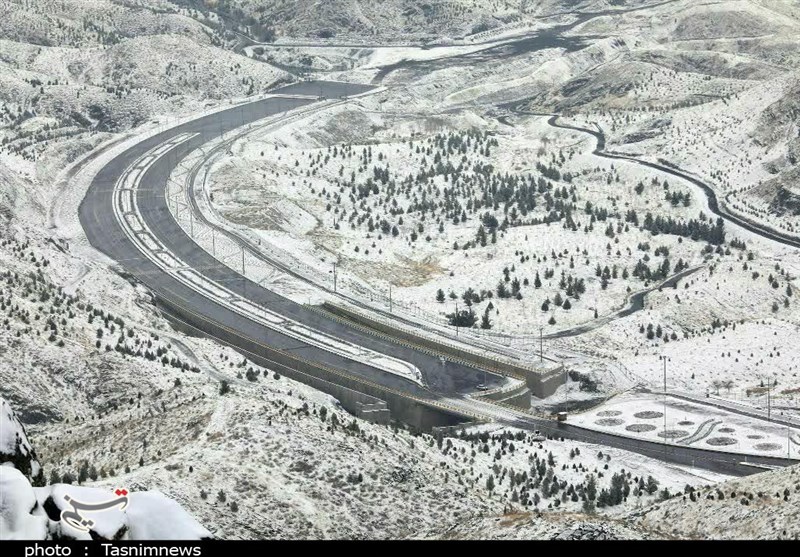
{"x":444,"y":382}
{"x":104,"y":233}
{"x":713,"y":203}
{"x":635,"y":304}
{"x":716,"y":461}
{"x":551,"y":38}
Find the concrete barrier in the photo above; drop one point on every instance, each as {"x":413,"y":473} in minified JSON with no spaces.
{"x":519,"y":397}
{"x":547,"y":381}
{"x":542,"y":383}
{"x":356,"y":395}
{"x":377,"y":413}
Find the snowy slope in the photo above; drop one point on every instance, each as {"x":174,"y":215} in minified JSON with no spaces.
{"x":28,"y":512}
{"x":15,"y":449}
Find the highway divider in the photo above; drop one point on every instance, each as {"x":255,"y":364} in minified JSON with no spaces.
{"x":353,"y":392}
{"x":542,"y":382}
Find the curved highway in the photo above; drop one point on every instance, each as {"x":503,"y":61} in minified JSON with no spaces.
{"x":634,"y":305}
{"x":104,"y":231}
{"x":713,"y":204}
{"x":443,"y":386}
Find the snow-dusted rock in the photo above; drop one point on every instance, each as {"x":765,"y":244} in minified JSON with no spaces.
{"x":15,"y":449}
{"x":21,"y":516}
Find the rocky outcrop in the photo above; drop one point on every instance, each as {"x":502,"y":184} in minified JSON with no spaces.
{"x":588,"y":531}
{"x":15,"y":449}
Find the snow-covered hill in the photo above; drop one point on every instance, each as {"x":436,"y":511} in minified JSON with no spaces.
{"x":112,"y":396}
{"x":72,"y":72}
{"x":31,"y":510}
{"x":764,"y":506}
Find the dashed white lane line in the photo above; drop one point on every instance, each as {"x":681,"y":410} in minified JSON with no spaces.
{"x":133,"y":224}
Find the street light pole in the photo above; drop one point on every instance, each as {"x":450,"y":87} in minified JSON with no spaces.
{"x":769,"y":402}
{"x":541,"y":344}
{"x":663,"y":357}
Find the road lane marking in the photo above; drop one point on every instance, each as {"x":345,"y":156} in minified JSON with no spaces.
{"x":128,"y":214}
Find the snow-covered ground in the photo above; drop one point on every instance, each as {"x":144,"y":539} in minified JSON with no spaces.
{"x":658,"y":92}
{"x":104,"y":385}
{"x":644,"y":416}
{"x":31,"y":511}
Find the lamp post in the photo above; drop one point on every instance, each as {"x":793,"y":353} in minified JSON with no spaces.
{"x":666,"y":439}
{"x":541,"y":344}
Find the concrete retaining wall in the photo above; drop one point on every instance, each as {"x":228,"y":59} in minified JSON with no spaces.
{"x":355,"y":396}
{"x":377,"y":413}
{"x":545,"y":384}
{"x":541,"y":384}
{"x":519,"y":397}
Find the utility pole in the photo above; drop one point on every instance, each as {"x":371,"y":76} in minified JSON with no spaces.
{"x":390,"y":297}
{"x":666,"y":439}
{"x":769,"y":403}
{"x":665,"y":397}
{"x":541,"y":345}
{"x":213,"y":244}
{"x":242,"y":247}
{"x":334,"y":277}
{"x":455,"y":319}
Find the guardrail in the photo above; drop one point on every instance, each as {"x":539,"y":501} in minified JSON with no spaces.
{"x":333,"y":381}
{"x":351,"y":317}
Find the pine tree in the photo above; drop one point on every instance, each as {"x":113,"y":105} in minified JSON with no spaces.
{"x":591,"y":488}
{"x":83,"y":473}
{"x":481,"y":236}
{"x":502,"y":291}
